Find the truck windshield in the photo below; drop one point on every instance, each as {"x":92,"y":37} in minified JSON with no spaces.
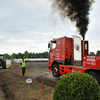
{"x":1,"y":57}
{"x":53,"y":45}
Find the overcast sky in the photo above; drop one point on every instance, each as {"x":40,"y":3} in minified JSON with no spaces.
{"x":31,"y":24}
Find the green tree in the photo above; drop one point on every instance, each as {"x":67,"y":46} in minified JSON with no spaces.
{"x":14,"y":56}
{"x":20,"y":55}
{"x":98,"y":53}
{"x":34,"y":55}
{"x":7,"y":56}
{"x":30,"y":55}
{"x":25,"y":54}
{"x":45,"y":54}
{"x":92,"y":54}
{"x":41,"y":56}
{"x":37,"y":55}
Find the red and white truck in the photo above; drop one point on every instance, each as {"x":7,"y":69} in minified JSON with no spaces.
{"x":66,"y":56}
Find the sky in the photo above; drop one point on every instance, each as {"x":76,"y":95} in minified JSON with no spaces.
{"x":31,"y":24}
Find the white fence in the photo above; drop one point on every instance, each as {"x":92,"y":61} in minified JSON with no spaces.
{"x":8,"y":62}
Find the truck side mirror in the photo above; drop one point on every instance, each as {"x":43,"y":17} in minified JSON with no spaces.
{"x":48,"y":45}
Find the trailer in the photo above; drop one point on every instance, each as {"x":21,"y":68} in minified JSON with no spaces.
{"x":66,"y":56}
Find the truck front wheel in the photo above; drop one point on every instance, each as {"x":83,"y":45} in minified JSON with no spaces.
{"x":55,"y":70}
{"x":95,"y":75}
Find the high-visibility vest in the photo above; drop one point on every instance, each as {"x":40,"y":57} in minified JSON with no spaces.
{"x":23,"y":64}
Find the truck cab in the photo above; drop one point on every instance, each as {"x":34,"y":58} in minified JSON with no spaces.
{"x":65,"y":51}
{"x":61,"y":52}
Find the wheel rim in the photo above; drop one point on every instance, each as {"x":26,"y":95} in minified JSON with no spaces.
{"x":54,"y":71}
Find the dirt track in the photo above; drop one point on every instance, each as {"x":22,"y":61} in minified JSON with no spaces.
{"x":41,"y":73}
{"x":14,"y":86}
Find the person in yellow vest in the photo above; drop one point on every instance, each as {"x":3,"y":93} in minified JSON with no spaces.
{"x":23,"y":66}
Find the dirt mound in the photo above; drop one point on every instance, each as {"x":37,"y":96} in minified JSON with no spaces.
{"x":15,"y":66}
{"x":46,"y":81}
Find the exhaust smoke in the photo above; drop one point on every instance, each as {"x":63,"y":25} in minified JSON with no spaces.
{"x":77,"y":11}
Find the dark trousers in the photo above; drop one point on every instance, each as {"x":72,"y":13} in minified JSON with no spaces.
{"x":23,"y":71}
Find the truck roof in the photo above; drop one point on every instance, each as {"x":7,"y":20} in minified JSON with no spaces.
{"x":55,"y":39}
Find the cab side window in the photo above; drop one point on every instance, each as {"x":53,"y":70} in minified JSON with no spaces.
{"x":53,"y":45}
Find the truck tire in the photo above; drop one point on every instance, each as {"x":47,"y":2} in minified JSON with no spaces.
{"x":95,"y":75}
{"x":4,"y":64}
{"x":55,"y":70}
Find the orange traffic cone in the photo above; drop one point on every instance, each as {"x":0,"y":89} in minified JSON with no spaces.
{"x":19,"y":72}
{"x":42,"y":87}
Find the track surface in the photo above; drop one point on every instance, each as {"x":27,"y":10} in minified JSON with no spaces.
{"x":14,"y":87}
{"x":41,"y":73}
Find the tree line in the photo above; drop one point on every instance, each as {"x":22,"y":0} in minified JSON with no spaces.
{"x":93,"y":54}
{"x":26,"y":54}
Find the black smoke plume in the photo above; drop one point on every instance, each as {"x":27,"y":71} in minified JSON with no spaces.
{"x":75,"y":10}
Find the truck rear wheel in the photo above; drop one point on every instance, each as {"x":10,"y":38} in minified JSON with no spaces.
{"x":95,"y":75}
{"x":55,"y":70}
